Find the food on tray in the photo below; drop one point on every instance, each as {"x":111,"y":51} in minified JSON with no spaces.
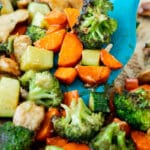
{"x":47,"y":46}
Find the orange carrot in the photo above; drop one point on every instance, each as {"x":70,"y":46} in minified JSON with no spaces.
{"x":93,"y":74}
{"x":56,"y":17}
{"x":131,"y":84}
{"x":46,"y":128}
{"x":57,"y":141}
{"x":76,"y":146}
{"x":124,"y":126}
{"x":72,"y":16}
{"x":66,"y":74}
{"x":51,"y":41}
{"x":68,"y":96}
{"x":54,"y":27}
{"x":20,"y":29}
{"x":109,"y":60}
{"x":141,"y":140}
{"x":144,"y":87}
{"x":71,"y":51}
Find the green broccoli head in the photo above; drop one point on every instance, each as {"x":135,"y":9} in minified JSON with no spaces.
{"x":35,"y":32}
{"x":25,"y":78}
{"x":15,"y":137}
{"x":134,"y":108}
{"x":44,"y":88}
{"x":111,"y":137}
{"x":80,"y":123}
{"x":95,"y":26}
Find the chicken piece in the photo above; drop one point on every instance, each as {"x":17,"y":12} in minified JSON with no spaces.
{"x":144,"y":75}
{"x":76,"y":4}
{"x":9,"y":66}
{"x":23,"y":3}
{"x":144,"y":9}
{"x":9,"y":21}
{"x":29,"y":115}
{"x":21,"y":43}
{"x":61,"y":4}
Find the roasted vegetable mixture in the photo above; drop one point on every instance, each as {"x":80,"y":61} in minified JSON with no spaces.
{"x":46,"y":46}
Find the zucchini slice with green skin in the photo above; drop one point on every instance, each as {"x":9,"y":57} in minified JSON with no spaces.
{"x":90,"y":57}
{"x":99,"y":102}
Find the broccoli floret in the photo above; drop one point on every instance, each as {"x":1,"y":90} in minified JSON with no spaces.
{"x":111,"y":138}
{"x":95,"y":27}
{"x":7,"y":47}
{"x":3,"y":48}
{"x":35,"y":32}
{"x":15,"y":137}
{"x":25,"y":78}
{"x":134,"y":108}
{"x":80,"y":124}
{"x":43,"y":87}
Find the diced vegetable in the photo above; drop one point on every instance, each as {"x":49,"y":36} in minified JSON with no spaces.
{"x":90,"y":57}
{"x":6,"y":7}
{"x":36,"y":59}
{"x":131,"y":84}
{"x":57,"y":141}
{"x":76,"y":146}
{"x":99,"y":102}
{"x":20,"y":29}
{"x":9,"y":96}
{"x":109,"y":60}
{"x":52,"y":147}
{"x":35,"y":7}
{"x":38,"y":20}
{"x":145,"y":87}
{"x":56,"y":17}
{"x":141,"y":140}
{"x":66,"y":74}
{"x":35,"y":33}
{"x":54,"y":27}
{"x":93,"y":75}
{"x":46,"y":129}
{"x":70,"y":52}
{"x":51,"y":41}
{"x":69,"y":96}
{"x":72,"y":16}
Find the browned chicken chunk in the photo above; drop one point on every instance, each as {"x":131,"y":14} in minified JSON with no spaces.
{"x":9,"y":66}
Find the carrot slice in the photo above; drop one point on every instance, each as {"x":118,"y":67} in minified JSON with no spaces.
{"x":20,"y":29}
{"x":54,"y":27}
{"x":131,"y":84}
{"x":109,"y":60}
{"x":71,"y":51}
{"x":66,"y":74}
{"x":56,"y":17}
{"x":46,"y":128}
{"x":144,"y":86}
{"x":68,"y":96}
{"x":51,"y":41}
{"x":72,"y":16}
{"x":76,"y":146}
{"x":141,"y":140}
{"x":93,"y":74}
{"x":57,"y":141}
